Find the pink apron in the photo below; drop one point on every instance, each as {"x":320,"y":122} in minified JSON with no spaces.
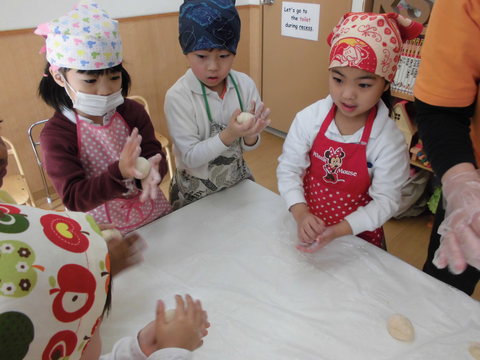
{"x":337,"y":181}
{"x":99,"y":146}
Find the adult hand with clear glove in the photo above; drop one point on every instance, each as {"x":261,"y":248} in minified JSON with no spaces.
{"x":460,"y":230}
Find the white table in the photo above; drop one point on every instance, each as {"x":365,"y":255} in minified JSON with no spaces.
{"x":235,"y":251}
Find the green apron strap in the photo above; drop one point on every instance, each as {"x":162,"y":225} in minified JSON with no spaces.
{"x":237,"y":91}
{"x":205,"y":100}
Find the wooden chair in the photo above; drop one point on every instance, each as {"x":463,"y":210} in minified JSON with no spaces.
{"x":33,"y":132}
{"x":161,"y":138}
{"x":16,"y":184}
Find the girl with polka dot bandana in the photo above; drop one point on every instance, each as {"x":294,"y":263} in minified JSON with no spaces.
{"x":93,"y":141}
{"x":344,"y":161}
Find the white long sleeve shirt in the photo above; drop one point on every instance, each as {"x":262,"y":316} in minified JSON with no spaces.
{"x":386,"y":151}
{"x":188,"y":122}
{"x":129,"y":349}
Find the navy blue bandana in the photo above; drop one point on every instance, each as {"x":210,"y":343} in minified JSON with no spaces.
{"x":209,"y":24}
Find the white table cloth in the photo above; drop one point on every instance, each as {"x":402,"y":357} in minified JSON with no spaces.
{"x":235,"y":251}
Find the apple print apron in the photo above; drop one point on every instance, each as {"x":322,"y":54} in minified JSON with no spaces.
{"x":99,"y":146}
{"x":54,"y":282}
{"x":224,"y":171}
{"x":337,"y":181}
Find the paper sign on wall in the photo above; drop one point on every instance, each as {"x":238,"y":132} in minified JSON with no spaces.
{"x":300,"y":20}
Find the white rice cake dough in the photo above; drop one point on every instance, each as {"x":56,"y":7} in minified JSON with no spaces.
{"x":400,"y":328}
{"x":474,"y":350}
{"x":110,"y":234}
{"x":143,"y":165}
{"x":244,"y":117}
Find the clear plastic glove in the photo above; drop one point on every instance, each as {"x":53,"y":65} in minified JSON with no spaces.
{"x":128,"y":157}
{"x":151,"y":182}
{"x":460,"y":230}
{"x":186,"y":330}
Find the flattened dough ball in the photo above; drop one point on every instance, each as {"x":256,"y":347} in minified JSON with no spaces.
{"x":244,"y":117}
{"x":400,"y":328}
{"x":474,"y":350}
{"x":143,"y":165}
{"x":110,"y":234}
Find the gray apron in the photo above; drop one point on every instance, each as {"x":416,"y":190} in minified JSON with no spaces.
{"x":224,"y":171}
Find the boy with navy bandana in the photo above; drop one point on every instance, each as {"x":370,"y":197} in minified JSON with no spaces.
{"x":202,"y":106}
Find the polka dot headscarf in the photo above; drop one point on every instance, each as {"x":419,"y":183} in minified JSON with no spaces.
{"x":371,"y":42}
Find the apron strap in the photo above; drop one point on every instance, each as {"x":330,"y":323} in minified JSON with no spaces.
{"x":366,"y":130}
{"x":237,"y":91}
{"x":368,"y":125}
{"x":328,"y":119}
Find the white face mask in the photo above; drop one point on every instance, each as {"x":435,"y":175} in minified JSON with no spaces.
{"x":95,"y":105}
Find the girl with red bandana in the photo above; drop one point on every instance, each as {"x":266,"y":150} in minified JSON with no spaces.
{"x":344,"y":161}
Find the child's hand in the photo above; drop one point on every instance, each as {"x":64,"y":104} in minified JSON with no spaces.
{"x":326,"y":236}
{"x":150,"y":183}
{"x":185,"y":330}
{"x":125,"y":251}
{"x":320,"y":241}
{"x":309,"y":226}
{"x":234,"y":129}
{"x":248,"y":130}
{"x":130,"y":152}
{"x":262,"y":120}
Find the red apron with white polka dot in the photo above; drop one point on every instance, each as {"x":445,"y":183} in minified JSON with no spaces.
{"x":100,"y":146}
{"x":337,"y":181}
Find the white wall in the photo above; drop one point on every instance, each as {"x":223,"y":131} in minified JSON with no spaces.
{"x":22,"y":14}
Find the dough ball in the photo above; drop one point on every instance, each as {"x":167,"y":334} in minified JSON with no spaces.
{"x":169,"y":315}
{"x":400,"y":328}
{"x":110,"y":234}
{"x":474,"y":350}
{"x":142,"y":165}
{"x":244,"y":117}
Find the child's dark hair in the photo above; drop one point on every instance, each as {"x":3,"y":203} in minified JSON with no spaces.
{"x":387,"y":99}
{"x":108,"y":301}
{"x":56,"y":96}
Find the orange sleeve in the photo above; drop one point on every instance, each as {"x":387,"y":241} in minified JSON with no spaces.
{"x":450,"y":57}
